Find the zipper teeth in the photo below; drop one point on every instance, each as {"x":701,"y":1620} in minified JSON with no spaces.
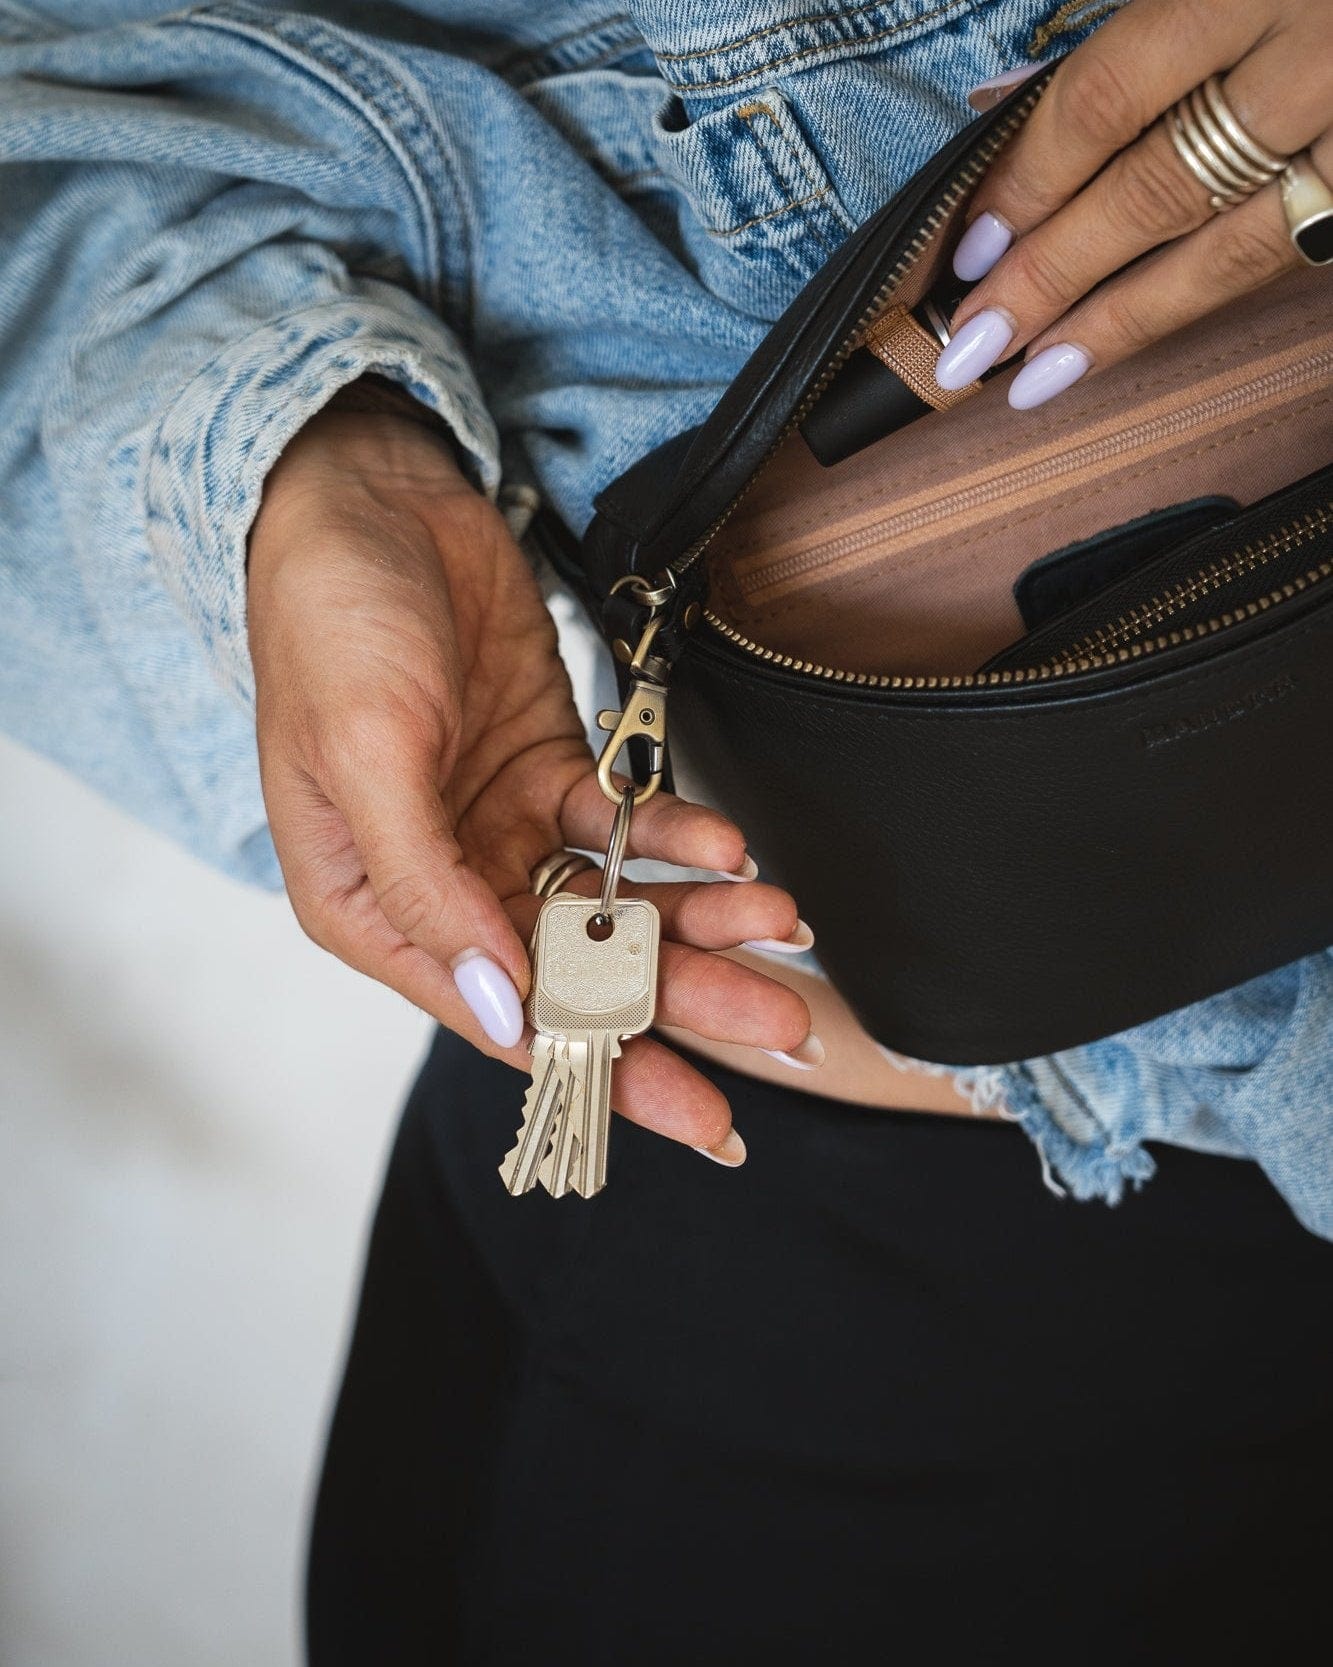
{"x":1217,"y":574}
{"x":961,"y":183}
{"x":1080,"y":658}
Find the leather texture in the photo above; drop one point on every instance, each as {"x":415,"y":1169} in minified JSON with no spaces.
{"x":999,"y":877}
{"x":991,"y":873}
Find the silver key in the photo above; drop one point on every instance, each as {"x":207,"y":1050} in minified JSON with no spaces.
{"x":594,"y":983}
{"x":590,"y":992}
{"x":542,"y":1107}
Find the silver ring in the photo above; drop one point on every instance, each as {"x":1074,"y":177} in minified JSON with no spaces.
{"x":553,"y":873}
{"x":1307,"y":203}
{"x":615,"y":851}
{"x":1226,"y":159}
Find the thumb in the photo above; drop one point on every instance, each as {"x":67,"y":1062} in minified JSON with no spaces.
{"x":430,"y":896}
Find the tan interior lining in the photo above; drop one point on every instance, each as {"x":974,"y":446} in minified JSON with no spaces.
{"x":902,"y":559}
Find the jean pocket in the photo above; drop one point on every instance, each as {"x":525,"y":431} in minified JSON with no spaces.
{"x":764,"y":214}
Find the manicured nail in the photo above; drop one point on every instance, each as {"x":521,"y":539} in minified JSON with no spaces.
{"x":980,"y":246}
{"x":1046,"y":374}
{"x":986,"y":94}
{"x":801,"y":940}
{"x":974,"y":349}
{"x":807,"y":1057}
{"x":748,"y":870}
{"x":730,"y":1153}
{"x":489,"y":991}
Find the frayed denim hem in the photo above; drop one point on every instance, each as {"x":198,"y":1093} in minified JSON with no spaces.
{"x":1093,"y":1168}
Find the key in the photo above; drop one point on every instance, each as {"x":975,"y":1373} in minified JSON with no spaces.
{"x":559,"y":1161}
{"x":592,"y":990}
{"x":594,"y":984}
{"x":542,"y":1106}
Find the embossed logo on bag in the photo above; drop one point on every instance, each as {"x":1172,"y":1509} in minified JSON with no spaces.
{"x":1225,"y":712}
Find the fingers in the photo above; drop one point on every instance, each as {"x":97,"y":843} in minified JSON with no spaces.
{"x":1144,"y":197}
{"x":699,"y":989}
{"x":655,"y":1087}
{"x":707,"y":915}
{"x":1228,"y":256}
{"x":427,"y":894}
{"x":664,"y":828}
{"x":1104,"y":95}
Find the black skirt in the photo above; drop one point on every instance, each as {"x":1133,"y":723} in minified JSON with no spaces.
{"x":877,"y":1396}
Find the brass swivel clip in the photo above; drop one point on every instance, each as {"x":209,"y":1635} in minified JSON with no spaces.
{"x":644,"y":713}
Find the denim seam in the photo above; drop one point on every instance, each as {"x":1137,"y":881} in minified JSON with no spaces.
{"x":773,"y":214}
{"x":346,"y":354}
{"x":368,"y":103}
{"x":802,"y":163}
{"x":1067,"y":19}
{"x":820,"y":48}
{"x":561,"y":55}
{"x":747,"y":113}
{"x":808,"y":20}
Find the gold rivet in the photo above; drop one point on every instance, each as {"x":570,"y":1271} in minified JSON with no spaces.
{"x":622,"y":651}
{"x":692,"y":613}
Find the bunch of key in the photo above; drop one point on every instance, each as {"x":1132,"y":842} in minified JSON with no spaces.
{"x":594,"y":985}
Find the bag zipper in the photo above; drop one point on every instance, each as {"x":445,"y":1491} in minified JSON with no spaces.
{"x":962,"y":182}
{"x":1085,"y":656}
{"x":643,"y":712}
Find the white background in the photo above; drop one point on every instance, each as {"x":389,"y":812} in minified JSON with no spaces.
{"x":195,"y":1103}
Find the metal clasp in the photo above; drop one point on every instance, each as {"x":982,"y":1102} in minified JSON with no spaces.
{"x":644,"y":713}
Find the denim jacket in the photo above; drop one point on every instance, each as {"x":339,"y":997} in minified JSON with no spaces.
{"x":562,"y":226}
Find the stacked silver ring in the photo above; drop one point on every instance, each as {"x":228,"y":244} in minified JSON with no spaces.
{"x":555,"y":872}
{"x":1227,"y":161}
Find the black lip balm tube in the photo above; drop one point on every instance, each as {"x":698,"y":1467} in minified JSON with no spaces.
{"x":889,"y":381}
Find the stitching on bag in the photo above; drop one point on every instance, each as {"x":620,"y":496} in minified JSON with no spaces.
{"x":810,"y":51}
{"x":1151,"y":384}
{"x":780,"y":610}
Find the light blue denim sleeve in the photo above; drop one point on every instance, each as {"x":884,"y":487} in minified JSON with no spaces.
{"x":1247,"y":1073}
{"x":165,"y":329}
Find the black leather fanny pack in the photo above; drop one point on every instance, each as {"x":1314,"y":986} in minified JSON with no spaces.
{"x":1030,"y":711}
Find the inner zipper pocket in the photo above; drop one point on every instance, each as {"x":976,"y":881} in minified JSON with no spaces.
{"x":1213,"y":580}
{"x":985,"y":491}
{"x":1077,"y":658}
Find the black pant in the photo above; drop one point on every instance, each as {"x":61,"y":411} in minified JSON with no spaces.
{"x":875,"y":1397}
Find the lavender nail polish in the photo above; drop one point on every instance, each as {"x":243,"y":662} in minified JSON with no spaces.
{"x":986,"y":94}
{"x":980,"y":246}
{"x":974,"y":349}
{"x":489,"y":991}
{"x":1046,"y":374}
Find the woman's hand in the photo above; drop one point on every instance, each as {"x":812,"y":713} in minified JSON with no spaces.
{"x":1093,"y":183}
{"x":421,"y":753}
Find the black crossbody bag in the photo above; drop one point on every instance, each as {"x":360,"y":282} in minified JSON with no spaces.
{"x":1030,"y":711}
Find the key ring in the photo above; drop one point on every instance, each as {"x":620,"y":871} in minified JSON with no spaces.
{"x":615,"y":854}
